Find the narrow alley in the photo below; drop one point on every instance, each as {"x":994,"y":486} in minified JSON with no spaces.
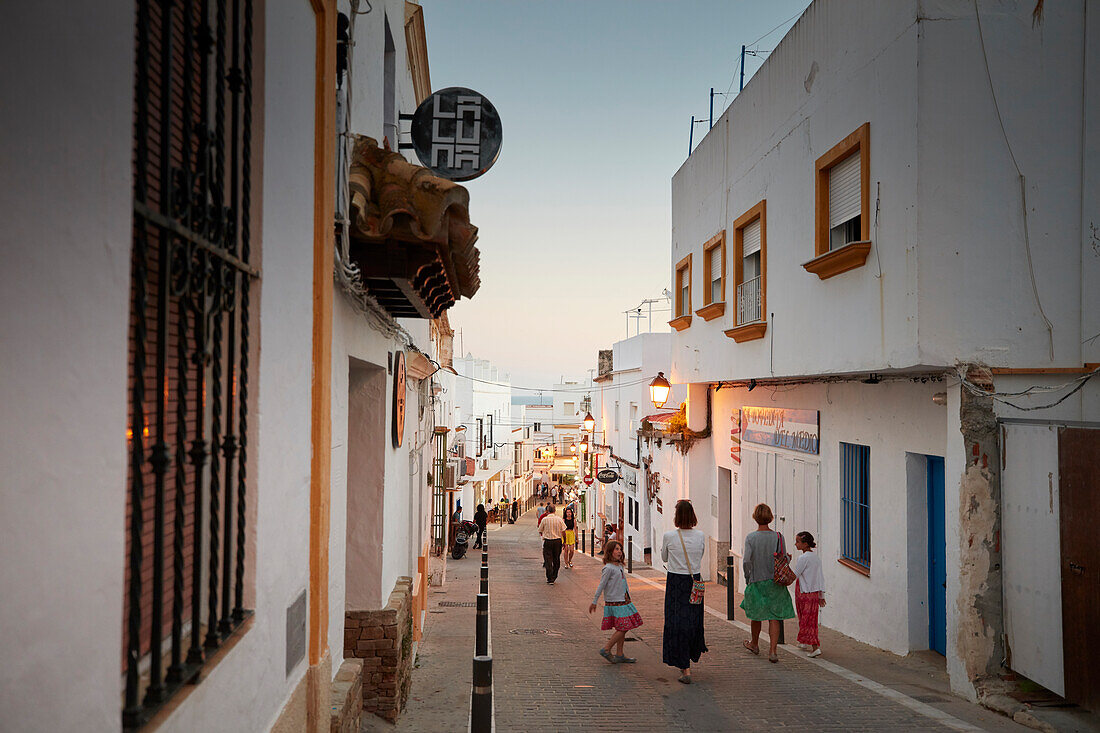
{"x":548,"y":677}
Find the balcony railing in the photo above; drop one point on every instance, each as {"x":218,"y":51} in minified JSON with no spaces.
{"x":748,"y":301}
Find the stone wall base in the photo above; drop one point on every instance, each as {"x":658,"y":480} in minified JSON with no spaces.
{"x":383,"y":639}
{"x":347,"y":697}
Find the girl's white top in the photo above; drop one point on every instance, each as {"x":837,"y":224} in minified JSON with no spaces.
{"x":807,"y":568}
{"x":673,"y":554}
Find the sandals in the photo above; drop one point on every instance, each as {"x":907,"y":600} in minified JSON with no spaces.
{"x":750,"y":647}
{"x":619,"y":659}
{"x":685,"y":678}
{"x":607,"y":655}
{"x":773,"y":658}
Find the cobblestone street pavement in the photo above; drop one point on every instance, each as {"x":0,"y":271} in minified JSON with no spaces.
{"x":547,"y":675}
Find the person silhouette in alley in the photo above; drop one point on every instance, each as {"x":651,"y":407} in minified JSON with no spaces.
{"x":552,"y":529}
{"x":481,"y":518}
{"x":515,"y":511}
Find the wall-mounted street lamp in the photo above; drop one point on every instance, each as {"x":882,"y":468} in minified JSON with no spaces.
{"x":589,"y":422}
{"x":573,"y":447}
{"x":659,"y":389}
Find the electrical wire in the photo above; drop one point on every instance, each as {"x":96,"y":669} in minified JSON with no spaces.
{"x":999,"y":396}
{"x":574,"y":390}
{"x":1022,"y":181}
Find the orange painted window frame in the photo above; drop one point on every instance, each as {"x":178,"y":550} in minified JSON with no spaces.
{"x":714,"y":245}
{"x":858,"y":141}
{"x":755,"y":329}
{"x":682,"y":315}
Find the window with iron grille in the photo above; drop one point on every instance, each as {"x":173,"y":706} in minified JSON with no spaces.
{"x":190,"y":345}
{"x":855,"y":503}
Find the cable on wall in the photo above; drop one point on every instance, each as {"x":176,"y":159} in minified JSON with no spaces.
{"x":1022,"y":181}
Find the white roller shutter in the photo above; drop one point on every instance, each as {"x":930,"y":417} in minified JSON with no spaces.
{"x":715,"y":264}
{"x":750,"y":239}
{"x":844,"y":190}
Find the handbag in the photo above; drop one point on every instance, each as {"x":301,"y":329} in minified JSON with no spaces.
{"x":783,"y":574}
{"x":697,"y":586}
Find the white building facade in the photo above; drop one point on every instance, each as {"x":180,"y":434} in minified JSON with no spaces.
{"x":861,"y":257}
{"x":484,"y":406}
{"x":621,"y":403}
{"x":253,"y":446}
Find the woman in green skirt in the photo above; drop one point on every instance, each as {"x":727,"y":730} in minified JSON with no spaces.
{"x":765,"y":600}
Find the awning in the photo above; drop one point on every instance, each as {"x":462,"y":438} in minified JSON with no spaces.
{"x":411,"y":235}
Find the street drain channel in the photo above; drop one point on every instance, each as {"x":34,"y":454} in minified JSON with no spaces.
{"x":536,"y":632}
{"x":458,"y":604}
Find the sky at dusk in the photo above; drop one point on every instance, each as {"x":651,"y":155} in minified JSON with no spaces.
{"x":596,"y":99}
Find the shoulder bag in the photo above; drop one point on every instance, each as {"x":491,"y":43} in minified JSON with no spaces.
{"x":697,"y":586}
{"x":783,"y":574}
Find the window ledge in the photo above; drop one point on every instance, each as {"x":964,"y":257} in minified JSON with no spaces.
{"x":680,"y":323}
{"x":712,"y":311}
{"x":748,"y":332}
{"x":848,"y":257}
{"x":855,"y":566}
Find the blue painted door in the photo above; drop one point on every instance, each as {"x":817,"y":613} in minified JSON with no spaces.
{"x":937,"y":559}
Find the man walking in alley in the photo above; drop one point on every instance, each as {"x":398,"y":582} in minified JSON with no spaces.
{"x":552,"y":529}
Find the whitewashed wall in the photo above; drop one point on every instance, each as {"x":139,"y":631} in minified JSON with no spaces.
{"x":65,"y":157}
{"x":764,"y":147}
{"x":248,"y":688}
{"x":947,"y":278}
{"x":892,"y":418}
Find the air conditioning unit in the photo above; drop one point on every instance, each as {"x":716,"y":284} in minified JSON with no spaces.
{"x":449,"y":476}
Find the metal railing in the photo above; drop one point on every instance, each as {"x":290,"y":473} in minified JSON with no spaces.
{"x":748,"y":301}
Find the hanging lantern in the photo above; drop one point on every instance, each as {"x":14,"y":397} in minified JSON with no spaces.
{"x":659,"y":389}
{"x":589,"y":422}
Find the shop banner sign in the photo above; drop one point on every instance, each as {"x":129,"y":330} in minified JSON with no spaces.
{"x":779,"y":427}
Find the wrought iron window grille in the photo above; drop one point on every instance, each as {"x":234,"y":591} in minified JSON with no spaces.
{"x":191,"y":320}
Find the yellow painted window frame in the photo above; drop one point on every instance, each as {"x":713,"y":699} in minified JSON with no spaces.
{"x":715,"y":246}
{"x":826,"y":263}
{"x":755,"y":330}
{"x":683,"y":269}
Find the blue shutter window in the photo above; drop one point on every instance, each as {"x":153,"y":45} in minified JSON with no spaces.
{"x":855,"y":503}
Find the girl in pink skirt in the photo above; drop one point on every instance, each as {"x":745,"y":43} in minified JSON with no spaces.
{"x":618,"y":612}
{"x":809,"y":592}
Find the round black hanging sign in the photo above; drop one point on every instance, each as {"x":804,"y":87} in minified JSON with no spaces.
{"x":607,"y":475}
{"x":456,"y":133}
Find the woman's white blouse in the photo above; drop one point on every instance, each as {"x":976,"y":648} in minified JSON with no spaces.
{"x":673,"y":554}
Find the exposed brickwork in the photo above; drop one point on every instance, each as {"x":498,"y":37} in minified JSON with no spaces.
{"x":347,"y":697}
{"x":383,"y":641}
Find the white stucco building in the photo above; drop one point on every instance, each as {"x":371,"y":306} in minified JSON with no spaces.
{"x":217,"y":458}
{"x":621,"y":401}
{"x":483,"y":403}
{"x":892,"y":221}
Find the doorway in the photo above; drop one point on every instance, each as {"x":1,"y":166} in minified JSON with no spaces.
{"x":365,"y":487}
{"x":937,"y":557}
{"x":1079,"y":484}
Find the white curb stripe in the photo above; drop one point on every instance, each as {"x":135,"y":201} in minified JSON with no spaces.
{"x":941,"y":717}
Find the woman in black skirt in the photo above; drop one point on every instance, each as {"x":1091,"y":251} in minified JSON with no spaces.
{"x":682,"y":550}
